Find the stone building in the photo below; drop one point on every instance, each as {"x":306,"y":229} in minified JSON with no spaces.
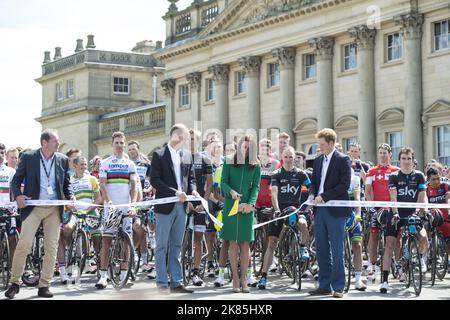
{"x":374,"y":71}
{"x":91,"y":93}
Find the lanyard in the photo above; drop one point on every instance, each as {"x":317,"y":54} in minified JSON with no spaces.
{"x":47,"y":174}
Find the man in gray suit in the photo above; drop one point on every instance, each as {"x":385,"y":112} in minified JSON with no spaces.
{"x":45,"y":173}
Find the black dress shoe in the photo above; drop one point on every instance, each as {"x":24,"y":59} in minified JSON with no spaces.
{"x":12,"y":290}
{"x":44,"y":292}
{"x":320,"y":292}
{"x":181,"y":289}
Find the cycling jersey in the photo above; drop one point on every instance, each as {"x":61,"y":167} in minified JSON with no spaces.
{"x":378,"y":177}
{"x":289,"y":185}
{"x":6,"y":176}
{"x":143,"y":169}
{"x":264,"y":195}
{"x":354,"y":186}
{"x":408,"y":187}
{"x":437,"y":195}
{"x":84,"y":188}
{"x":118,"y":172}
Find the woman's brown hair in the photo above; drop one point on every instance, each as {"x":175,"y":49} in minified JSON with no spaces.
{"x":251,"y":155}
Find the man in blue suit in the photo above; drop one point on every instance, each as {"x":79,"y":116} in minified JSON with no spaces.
{"x":330,"y":181}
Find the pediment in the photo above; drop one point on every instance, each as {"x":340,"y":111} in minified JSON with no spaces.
{"x":346,"y":123}
{"x":391,"y":114}
{"x":306,"y":126}
{"x":241,"y":13}
{"x":438,"y":106}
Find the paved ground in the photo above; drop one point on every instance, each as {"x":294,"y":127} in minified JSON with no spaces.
{"x":280,"y":287}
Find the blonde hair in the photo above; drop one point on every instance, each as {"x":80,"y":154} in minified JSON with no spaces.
{"x":328,"y":134}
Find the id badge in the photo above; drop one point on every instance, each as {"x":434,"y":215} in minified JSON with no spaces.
{"x":50,"y":190}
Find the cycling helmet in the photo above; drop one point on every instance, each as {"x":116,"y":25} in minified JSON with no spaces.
{"x":113,"y":219}
{"x":292,"y":219}
{"x":93,"y":221}
{"x":382,"y":216}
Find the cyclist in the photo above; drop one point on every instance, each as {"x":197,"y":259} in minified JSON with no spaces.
{"x":86,"y":189}
{"x":6,"y":176}
{"x":286,"y":191}
{"x":203,"y":178}
{"x":354,"y":229}
{"x":12,"y":158}
{"x":377,"y":189}
{"x":405,"y":185}
{"x":439,"y":192}
{"x":143,"y":170}
{"x":118,"y":184}
{"x":283,"y":142}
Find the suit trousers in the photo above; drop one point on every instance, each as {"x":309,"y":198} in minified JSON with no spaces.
{"x":51,"y":220}
{"x":329,"y":232}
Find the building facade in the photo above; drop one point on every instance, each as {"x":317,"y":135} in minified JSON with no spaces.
{"x":374,"y":71}
{"x":90,"y":94}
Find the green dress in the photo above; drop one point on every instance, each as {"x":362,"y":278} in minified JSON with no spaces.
{"x":245,"y":181}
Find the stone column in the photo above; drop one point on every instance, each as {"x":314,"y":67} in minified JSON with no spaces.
{"x":252,"y":66}
{"x":286,"y":59}
{"x":168,"y":86}
{"x":195,"y":80}
{"x":324,"y":59}
{"x":221,"y":76}
{"x":365,"y":39}
{"x":411,"y":28}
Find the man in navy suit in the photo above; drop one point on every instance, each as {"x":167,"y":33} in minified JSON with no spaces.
{"x":172,"y":174}
{"x":46,"y":176}
{"x":330,"y":181}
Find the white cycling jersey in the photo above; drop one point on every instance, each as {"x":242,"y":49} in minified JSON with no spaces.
{"x":6,"y":176}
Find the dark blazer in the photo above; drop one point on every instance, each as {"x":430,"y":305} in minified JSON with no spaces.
{"x":29,"y":171}
{"x":163,"y":178}
{"x":337,"y":180}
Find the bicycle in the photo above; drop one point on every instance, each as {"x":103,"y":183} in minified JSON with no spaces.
{"x":5,"y":256}
{"x":145,"y":217}
{"x":289,"y":251}
{"x":187,"y":252}
{"x":121,"y":250}
{"x":259,"y":245}
{"x":410,"y":260}
{"x":78,"y":250}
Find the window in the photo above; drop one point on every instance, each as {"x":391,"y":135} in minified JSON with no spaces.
{"x":347,"y":142}
{"x":210,"y":89}
{"x":350,"y":62}
{"x":121,"y":85}
{"x":59,"y":91}
{"x":441,"y":35}
{"x":310,"y":66}
{"x":70,"y":90}
{"x":183,"y":24}
{"x":274,"y":75}
{"x":184,"y":95}
{"x":394,"y":46}
{"x":443,"y":144}
{"x":241,"y":83}
{"x":395,"y":141}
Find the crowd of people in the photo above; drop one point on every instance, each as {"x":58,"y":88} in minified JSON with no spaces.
{"x":265,"y":179}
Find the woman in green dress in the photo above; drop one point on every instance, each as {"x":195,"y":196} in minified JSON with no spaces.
{"x":240,"y":181}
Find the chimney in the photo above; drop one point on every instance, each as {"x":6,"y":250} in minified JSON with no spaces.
{"x":79,"y":45}
{"x":47,"y":58}
{"x":57,"y":53}
{"x":90,"y":43}
{"x":158,"y":45}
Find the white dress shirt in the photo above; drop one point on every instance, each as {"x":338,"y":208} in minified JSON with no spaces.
{"x":50,"y":181}
{"x":176,"y":159}
{"x":325,"y":164}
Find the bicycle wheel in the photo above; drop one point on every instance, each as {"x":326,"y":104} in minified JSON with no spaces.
{"x":81,"y":251}
{"x":136,"y":263}
{"x":122,"y":254}
{"x":186,"y":257}
{"x":433,"y":257}
{"x":312,"y":266}
{"x":414,"y":265}
{"x":258,"y":250}
{"x":442,"y":257}
{"x":297,"y":262}
{"x":33,"y":266}
{"x":5,"y":267}
{"x":284,"y":255}
{"x":347,"y":262}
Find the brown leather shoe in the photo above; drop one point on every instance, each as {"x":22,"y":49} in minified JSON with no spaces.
{"x":13,"y":289}
{"x":181,"y":289}
{"x":44,"y":292}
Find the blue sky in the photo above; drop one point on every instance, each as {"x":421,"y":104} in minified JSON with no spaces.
{"x":28,"y":28}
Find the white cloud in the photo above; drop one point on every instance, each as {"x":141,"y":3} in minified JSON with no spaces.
{"x":28,"y":28}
